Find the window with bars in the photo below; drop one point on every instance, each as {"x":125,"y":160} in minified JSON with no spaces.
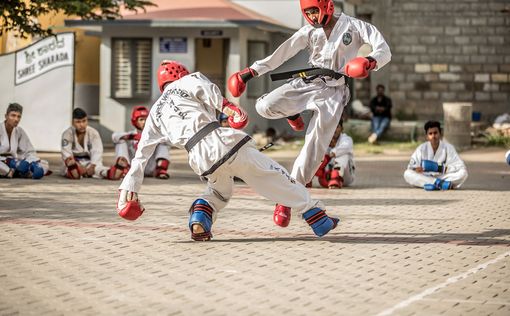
{"x":256,"y":51}
{"x":131,"y":68}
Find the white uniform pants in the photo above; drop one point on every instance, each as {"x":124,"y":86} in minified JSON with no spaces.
{"x":326,"y":103}
{"x":416,"y":179}
{"x":264,"y":175}
{"x":347,"y":169}
{"x":122,"y":149}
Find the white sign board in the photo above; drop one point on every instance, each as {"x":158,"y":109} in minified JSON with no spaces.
{"x":40,"y":77}
{"x":43,"y":56}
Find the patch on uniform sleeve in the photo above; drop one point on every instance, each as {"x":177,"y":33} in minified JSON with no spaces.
{"x":347,"y":38}
{"x":65,"y":142}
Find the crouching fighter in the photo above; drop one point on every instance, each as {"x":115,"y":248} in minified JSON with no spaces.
{"x":337,"y":168}
{"x":435,"y":164}
{"x":82,"y":149}
{"x":125,"y":148}
{"x":18,"y":158}
{"x":184,"y":115}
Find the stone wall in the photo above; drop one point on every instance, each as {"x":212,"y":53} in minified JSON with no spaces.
{"x":444,"y":51}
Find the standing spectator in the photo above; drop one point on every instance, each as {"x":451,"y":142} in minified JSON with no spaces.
{"x":381,"y":114}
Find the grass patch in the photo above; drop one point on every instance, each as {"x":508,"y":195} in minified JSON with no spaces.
{"x":498,"y":140}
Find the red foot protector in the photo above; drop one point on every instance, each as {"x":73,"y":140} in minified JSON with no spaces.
{"x":281,"y":215}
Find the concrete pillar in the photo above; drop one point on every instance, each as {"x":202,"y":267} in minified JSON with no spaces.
{"x":457,"y":124}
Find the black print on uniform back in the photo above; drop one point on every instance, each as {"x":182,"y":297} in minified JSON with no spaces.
{"x":180,"y":92}
{"x":177,"y":110}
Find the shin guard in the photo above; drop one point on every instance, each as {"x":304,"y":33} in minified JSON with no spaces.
{"x":161,"y":171}
{"x":201,"y":213}
{"x":319,"y":221}
{"x":118,"y":170}
{"x":73,"y":169}
{"x":335,"y":180}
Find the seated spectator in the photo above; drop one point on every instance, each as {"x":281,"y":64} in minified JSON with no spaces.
{"x":126,"y":144}
{"x":82,"y":149}
{"x":223,"y":119}
{"x":435,"y":164}
{"x":18,"y":158}
{"x":381,"y":114}
{"x":337,"y":168}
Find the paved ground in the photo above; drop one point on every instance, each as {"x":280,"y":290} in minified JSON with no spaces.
{"x":398,"y":250}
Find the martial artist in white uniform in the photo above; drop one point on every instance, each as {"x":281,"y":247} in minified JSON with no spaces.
{"x":126,"y":144}
{"x":185,"y":116}
{"x":333,"y":41}
{"x":18,"y":157}
{"x":341,"y":151}
{"x":435,"y":164}
{"x":82,"y":149}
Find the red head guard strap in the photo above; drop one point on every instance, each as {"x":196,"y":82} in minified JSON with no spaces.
{"x":326,"y":10}
{"x":170,"y":71}
{"x":138,"y":111}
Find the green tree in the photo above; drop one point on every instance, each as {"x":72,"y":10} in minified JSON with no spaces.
{"x":21,"y":15}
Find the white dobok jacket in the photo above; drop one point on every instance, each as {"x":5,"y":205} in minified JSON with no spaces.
{"x":347,"y":36}
{"x":185,"y":107}
{"x":19,"y":146}
{"x":92,"y":149}
{"x":445,"y":155}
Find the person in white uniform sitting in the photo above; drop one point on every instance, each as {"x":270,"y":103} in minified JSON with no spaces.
{"x":82,"y":149}
{"x":185,"y":116}
{"x":332,"y":41}
{"x":125,"y":148}
{"x":18,"y":158}
{"x":337,"y":169}
{"x":435,"y":164}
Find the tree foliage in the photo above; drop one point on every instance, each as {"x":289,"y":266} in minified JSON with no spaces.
{"x":21,"y":15}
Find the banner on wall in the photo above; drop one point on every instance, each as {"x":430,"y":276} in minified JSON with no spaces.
{"x":43,"y":56}
{"x":40,"y":77}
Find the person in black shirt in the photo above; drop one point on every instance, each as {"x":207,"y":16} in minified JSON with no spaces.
{"x":381,"y":114}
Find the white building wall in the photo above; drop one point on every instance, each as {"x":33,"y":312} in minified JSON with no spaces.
{"x":287,"y":12}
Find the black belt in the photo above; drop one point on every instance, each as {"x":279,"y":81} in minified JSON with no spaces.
{"x":305,"y":73}
{"x":201,"y":134}
{"x":227,"y":156}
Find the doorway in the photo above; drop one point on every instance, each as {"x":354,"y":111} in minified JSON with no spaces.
{"x":211,"y":59}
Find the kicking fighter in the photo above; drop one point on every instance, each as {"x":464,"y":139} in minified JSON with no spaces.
{"x":333,"y":41}
{"x":82,"y":149}
{"x":185,"y":115}
{"x":18,"y":158}
{"x":435,"y":164}
{"x":125,"y":148}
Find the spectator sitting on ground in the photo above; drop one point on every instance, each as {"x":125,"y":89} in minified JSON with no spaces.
{"x":18,"y":158}
{"x":82,"y":149}
{"x":435,"y":165}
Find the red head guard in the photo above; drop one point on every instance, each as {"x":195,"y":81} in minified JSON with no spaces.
{"x":170,"y":71}
{"x":326,"y":9}
{"x":138,"y":111}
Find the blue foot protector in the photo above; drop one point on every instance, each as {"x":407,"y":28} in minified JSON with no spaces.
{"x":430,"y":187}
{"x":320,"y":222}
{"x":201,"y":214}
{"x":36,"y":170}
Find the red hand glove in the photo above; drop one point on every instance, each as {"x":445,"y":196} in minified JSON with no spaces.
{"x":237,"y":82}
{"x":359,"y":67}
{"x":237,"y":117}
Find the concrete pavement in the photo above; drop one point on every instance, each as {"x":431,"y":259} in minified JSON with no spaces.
{"x":397,"y":251}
